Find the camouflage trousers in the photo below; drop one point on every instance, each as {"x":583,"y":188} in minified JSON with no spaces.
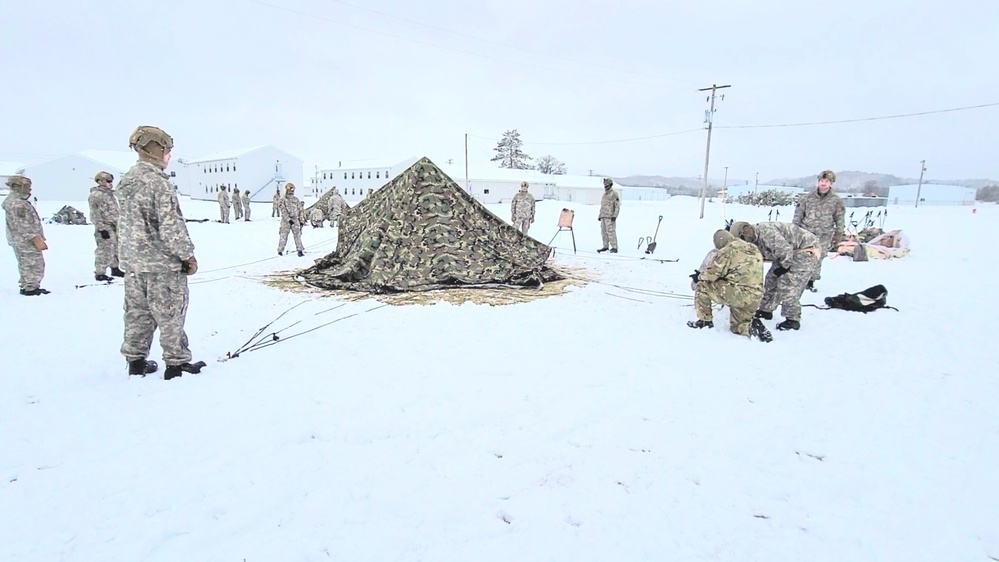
{"x":825,"y":243}
{"x":296,"y":230}
{"x":30,"y":265}
{"x":106,"y":253}
{"x":786,"y":290}
{"x":274,"y":210}
{"x":237,"y":211}
{"x":246,"y":211}
{"x":156,"y":300}
{"x":743,"y":302}
{"x":522,"y":225}
{"x":608,"y":231}
{"x":223,"y":213}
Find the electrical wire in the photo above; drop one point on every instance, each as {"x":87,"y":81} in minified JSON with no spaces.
{"x":898,"y":116}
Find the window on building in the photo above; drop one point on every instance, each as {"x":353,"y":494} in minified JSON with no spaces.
{"x":485,"y":191}
{"x":386,"y":174}
{"x":378,"y":175}
{"x":227,"y":167}
{"x":345,"y":175}
{"x":369,"y":175}
{"x":352,"y":175}
{"x":352,"y":191}
{"x":234,"y":167}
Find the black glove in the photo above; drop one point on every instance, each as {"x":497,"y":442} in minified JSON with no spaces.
{"x":613,"y":219}
{"x":780,"y":270}
{"x":696,"y":276}
{"x":291,"y":222}
{"x":105,"y":234}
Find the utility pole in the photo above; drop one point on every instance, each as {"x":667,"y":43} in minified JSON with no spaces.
{"x":591,"y":172}
{"x":922,"y":169}
{"x":466,"y":162}
{"x":725,"y":181}
{"x":756,"y":186}
{"x":709,"y":119}
{"x":725,"y":189}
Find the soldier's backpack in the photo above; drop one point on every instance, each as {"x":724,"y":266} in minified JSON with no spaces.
{"x":865,"y":301}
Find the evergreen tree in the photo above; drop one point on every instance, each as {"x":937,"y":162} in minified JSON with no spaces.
{"x":509,"y":153}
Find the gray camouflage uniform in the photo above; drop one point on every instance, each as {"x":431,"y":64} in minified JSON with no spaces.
{"x":275,"y":204}
{"x":335,"y":209}
{"x":153,"y":245}
{"x":825,"y":217}
{"x":610,"y":207}
{"x":246,"y":206}
{"x":104,"y":214}
{"x":786,"y":246}
{"x":223,"y":206}
{"x":23,"y":225}
{"x":291,"y":209}
{"x":237,"y":205}
{"x":522,"y":211}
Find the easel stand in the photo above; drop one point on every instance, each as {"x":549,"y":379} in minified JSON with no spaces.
{"x":562,"y":229}
{"x":565,"y":223}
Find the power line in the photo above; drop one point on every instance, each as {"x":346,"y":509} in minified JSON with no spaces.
{"x":474,"y":54}
{"x":484,"y":40}
{"x":898,"y":116}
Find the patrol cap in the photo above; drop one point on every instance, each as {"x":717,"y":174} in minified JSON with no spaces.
{"x":828,"y":175}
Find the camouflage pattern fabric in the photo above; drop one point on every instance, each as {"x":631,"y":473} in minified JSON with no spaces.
{"x":778,"y":241}
{"x":608,"y":233}
{"x":156,"y":300}
{"x":610,"y":205}
{"x":69,"y":215}
{"x":152,"y":232}
{"x":104,"y":214}
{"x":274,"y":204}
{"x":224,"y":206}
{"x":787,"y":289}
{"x":422,"y":232}
{"x":291,"y":211}
{"x":704,"y":265}
{"x":522,"y":211}
{"x":246,"y":206}
{"x":824,"y":216}
{"x":22,"y":226}
{"x":734,"y":277}
{"x":237,"y":205}
{"x":316,"y":217}
{"x":330,"y":203}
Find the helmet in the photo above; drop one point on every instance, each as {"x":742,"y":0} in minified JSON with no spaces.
{"x":722,"y":238}
{"x":146,"y":134}
{"x":524,"y":184}
{"x":736,"y":229}
{"x":19,"y":183}
{"x":288,"y":186}
{"x":104,"y":176}
{"x":608,"y":182}
{"x":828,"y":175}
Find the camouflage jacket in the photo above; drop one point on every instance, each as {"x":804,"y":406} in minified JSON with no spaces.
{"x":739,"y":263}
{"x":316,"y":215}
{"x":822,"y":215}
{"x":335,"y":206}
{"x":704,"y":265}
{"x":152,"y":234}
{"x":224,"y":198}
{"x":23,"y":222}
{"x":610,"y":205}
{"x":245,"y":200}
{"x":277,"y":199}
{"x":103,"y":209}
{"x":522,"y":207}
{"x":236,"y":201}
{"x":778,"y":241}
{"x":291,"y":209}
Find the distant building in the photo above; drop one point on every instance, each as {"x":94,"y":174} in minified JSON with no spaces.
{"x":70,"y":177}
{"x":261,"y":169}
{"x":734,"y":191}
{"x":931,"y":194}
{"x":357,"y":180}
{"x":853,"y":200}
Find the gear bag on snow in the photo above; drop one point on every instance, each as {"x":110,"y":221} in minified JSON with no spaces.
{"x":865,"y":301}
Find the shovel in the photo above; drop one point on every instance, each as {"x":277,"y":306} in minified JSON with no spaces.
{"x":641,"y":240}
{"x":652,"y":244}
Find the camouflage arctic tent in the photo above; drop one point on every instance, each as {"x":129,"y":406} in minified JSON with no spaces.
{"x":421,"y":232}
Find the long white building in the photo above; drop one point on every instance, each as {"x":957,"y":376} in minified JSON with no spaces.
{"x":70,"y":177}
{"x":931,"y":194}
{"x":261,"y":169}
{"x":8,"y":169}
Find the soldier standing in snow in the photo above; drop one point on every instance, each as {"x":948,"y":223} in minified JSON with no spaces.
{"x":237,"y":204}
{"x":291,"y":220}
{"x":822,"y":213}
{"x":25,"y":236}
{"x":246,"y":206}
{"x":157,"y":255}
{"x":224,"y":204}
{"x":522,"y":209}
{"x":733,"y":276}
{"x":610,"y":207}
{"x":793,"y":252}
{"x":276,"y":203}
{"x":336,"y":208}
{"x":104,"y":214}
{"x":316,"y":217}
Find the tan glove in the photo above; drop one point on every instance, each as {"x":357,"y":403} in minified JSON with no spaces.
{"x":189,"y":267}
{"x":39,"y":243}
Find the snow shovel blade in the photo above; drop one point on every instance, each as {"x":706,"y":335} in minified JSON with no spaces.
{"x":641,"y":240}
{"x":651,"y":248}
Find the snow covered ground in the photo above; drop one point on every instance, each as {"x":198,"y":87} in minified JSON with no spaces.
{"x":589,"y":426}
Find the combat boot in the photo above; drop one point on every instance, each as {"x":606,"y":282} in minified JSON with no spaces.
{"x":764,"y":315}
{"x":102,"y":277}
{"x":174,"y":371}
{"x":115,"y":272}
{"x":301,"y":254}
{"x":34,"y":292}
{"x":701,"y":324}
{"x":604,"y":249}
{"x":757,"y":329}
{"x":789,"y":325}
{"x":142,"y":367}
{"x":811,"y":286}
{"x":613,"y":250}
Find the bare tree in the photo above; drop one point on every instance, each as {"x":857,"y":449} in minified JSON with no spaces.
{"x":548,"y":164}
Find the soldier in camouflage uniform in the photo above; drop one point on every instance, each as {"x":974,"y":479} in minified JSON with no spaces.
{"x":733,"y":277}
{"x":793,"y":252}
{"x":336,"y":208}
{"x":25,"y":235}
{"x":246,"y":205}
{"x":291,"y":220}
{"x":317,"y":218}
{"x":157,"y":255}
{"x":522,"y":209}
{"x":237,"y":204}
{"x":276,"y":203}
{"x":224,"y":204}
{"x":822,"y":213}
{"x":104,"y":214}
{"x":610,"y":207}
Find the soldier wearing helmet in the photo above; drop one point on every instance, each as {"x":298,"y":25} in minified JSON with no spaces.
{"x":610,"y":207}
{"x":522,"y":208}
{"x":291,"y":220}
{"x":224,"y":204}
{"x":246,"y":205}
{"x":104,"y":214}
{"x":25,"y":236}
{"x":157,"y":255}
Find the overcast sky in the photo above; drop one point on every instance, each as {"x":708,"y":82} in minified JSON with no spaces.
{"x":335,"y":81}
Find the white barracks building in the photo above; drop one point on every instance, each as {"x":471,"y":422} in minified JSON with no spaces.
{"x":261,"y":169}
